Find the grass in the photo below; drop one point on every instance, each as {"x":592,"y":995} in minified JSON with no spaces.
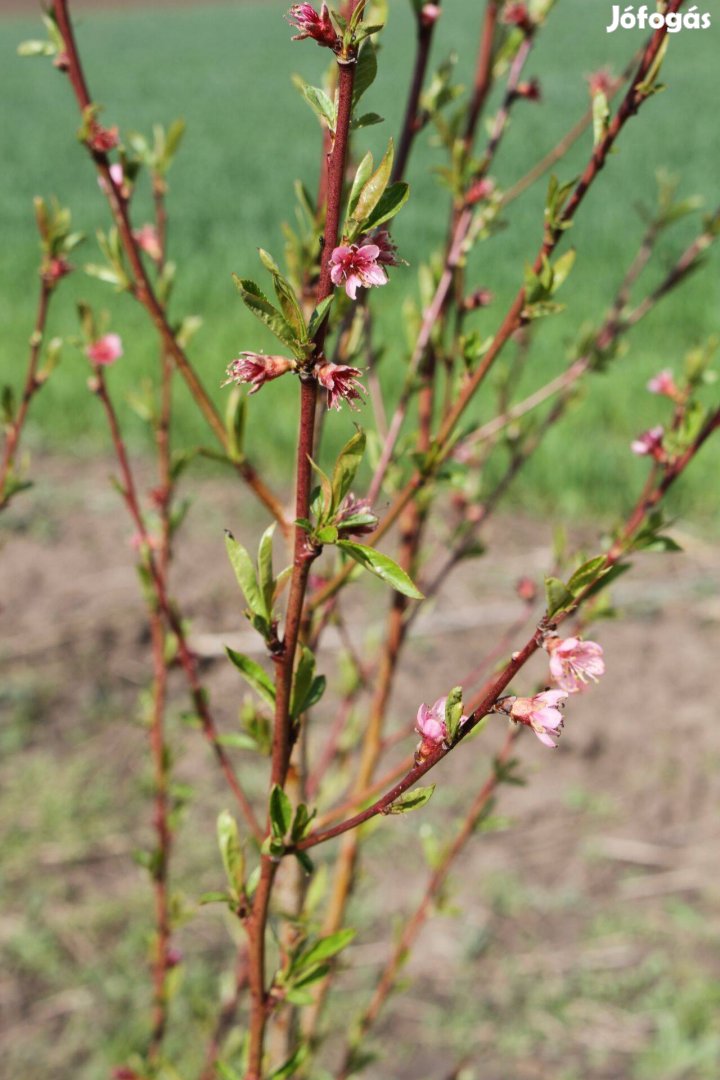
{"x":249,"y":134}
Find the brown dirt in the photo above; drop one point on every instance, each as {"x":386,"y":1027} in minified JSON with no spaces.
{"x":618,"y":823}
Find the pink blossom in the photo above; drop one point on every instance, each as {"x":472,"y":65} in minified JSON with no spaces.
{"x":319,"y":27}
{"x":117,"y":175}
{"x":650,"y":442}
{"x":106,"y":350}
{"x":429,"y":14}
{"x":600,"y":81}
{"x":357,"y":267}
{"x":573,"y":662}
{"x":257,"y":369}
{"x":341,"y":383}
{"x":102,"y":139}
{"x":541,"y":713}
{"x":381,"y":238}
{"x":529,"y":90}
{"x":430,"y":722}
{"x":355,"y":516}
{"x":664,"y":383}
{"x":148,"y":240}
{"x":517,"y":14}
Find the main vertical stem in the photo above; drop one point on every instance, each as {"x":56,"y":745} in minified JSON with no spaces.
{"x":303,"y":557}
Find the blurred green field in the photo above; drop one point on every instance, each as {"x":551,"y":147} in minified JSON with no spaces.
{"x":226,"y":70}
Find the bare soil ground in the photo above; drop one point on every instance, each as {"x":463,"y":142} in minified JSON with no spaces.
{"x":588,"y":941}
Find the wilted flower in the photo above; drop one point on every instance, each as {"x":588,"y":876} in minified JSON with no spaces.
{"x":429,"y":14}
{"x":341,"y":383}
{"x":357,"y":267}
{"x":516,"y":14}
{"x":600,"y":81}
{"x":106,"y":350}
{"x":387,"y":254}
{"x":148,"y":240}
{"x":319,"y":27}
{"x":355,"y":516}
{"x":540,"y":712}
{"x":256,"y":368}
{"x":650,"y":442}
{"x":574,"y":662}
{"x":102,"y":139}
{"x":664,"y":383}
{"x":529,"y":90}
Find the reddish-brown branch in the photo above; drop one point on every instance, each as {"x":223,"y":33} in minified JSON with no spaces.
{"x":32,"y":385}
{"x":142,"y":288}
{"x":413,"y":121}
{"x":483,"y":73}
{"x":302,"y":561}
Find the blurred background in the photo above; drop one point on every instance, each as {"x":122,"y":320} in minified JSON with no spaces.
{"x":588,"y":945}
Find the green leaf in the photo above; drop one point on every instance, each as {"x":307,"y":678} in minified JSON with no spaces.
{"x":562,"y":268}
{"x":328,"y":534}
{"x":265,"y":570}
{"x":391,"y":202}
{"x":301,"y":823}
{"x":323,"y":949}
{"x":319,"y":102}
{"x":586,"y":574}
{"x":287,"y":1070}
{"x":558,"y":596}
{"x":382,"y":566}
{"x":318,"y":315}
{"x":374,"y":187}
{"x":246,"y":577}
{"x":304,"y":674}
{"x":411,"y":800}
{"x":286,"y":296}
{"x":364,"y":171}
{"x":453,"y":712}
{"x":231,"y":851}
{"x":346,"y":467}
{"x":256,"y":301}
{"x":365,"y":72}
{"x":305,"y":861}
{"x":217,"y":898}
{"x":601,"y":116}
{"x":367,"y":120}
{"x":281,"y":812}
{"x":253,"y":674}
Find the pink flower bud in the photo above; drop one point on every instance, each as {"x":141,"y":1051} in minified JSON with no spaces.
{"x":102,"y":139}
{"x":429,"y":14}
{"x":541,"y":713}
{"x":480,"y":190}
{"x":529,"y":90}
{"x":526,"y":589}
{"x":257,"y":369}
{"x":355,"y":517}
{"x":310,"y":24}
{"x":650,"y":442}
{"x":478,"y":299}
{"x":600,"y":81}
{"x":57,"y":268}
{"x":574,"y":662}
{"x":341,"y":384}
{"x":173,"y":957}
{"x":517,"y":14}
{"x":148,"y":240}
{"x":664,"y":383}
{"x":430,"y":724}
{"x":106,"y":350}
{"x":357,"y":267}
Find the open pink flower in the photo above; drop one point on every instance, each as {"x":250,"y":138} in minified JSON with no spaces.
{"x":341,"y":384}
{"x":573,"y":663}
{"x":650,"y":442}
{"x":148,"y":240}
{"x":664,"y":383}
{"x":541,"y":713}
{"x":600,"y":81}
{"x":102,"y":139}
{"x":310,"y":24}
{"x":357,"y":267}
{"x":257,"y":369}
{"x":106,"y":350}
